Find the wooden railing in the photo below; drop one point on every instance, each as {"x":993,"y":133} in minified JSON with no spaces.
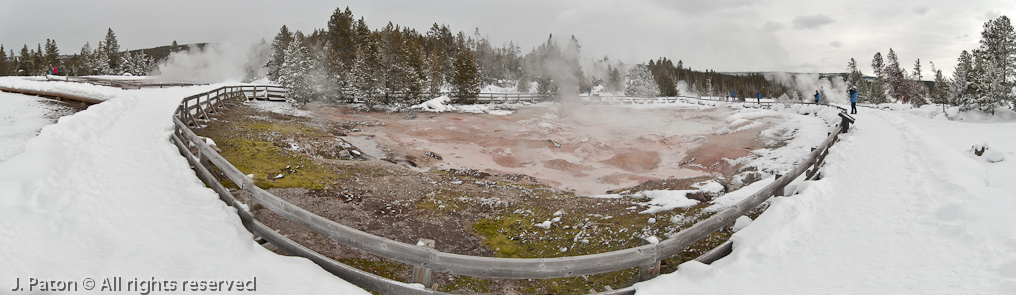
{"x":196,"y":108}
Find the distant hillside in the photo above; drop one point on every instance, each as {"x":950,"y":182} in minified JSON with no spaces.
{"x":162,"y":52}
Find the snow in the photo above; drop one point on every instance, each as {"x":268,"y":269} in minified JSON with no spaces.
{"x":69,"y":88}
{"x":664,"y":200}
{"x":103,"y":193}
{"x":901,"y":209}
{"x":22,"y":117}
{"x":441,"y":104}
{"x":279,"y":107}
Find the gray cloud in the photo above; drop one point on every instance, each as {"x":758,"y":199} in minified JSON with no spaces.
{"x":772,"y":26}
{"x":921,"y":10}
{"x":836,"y":44}
{"x":811,"y":21}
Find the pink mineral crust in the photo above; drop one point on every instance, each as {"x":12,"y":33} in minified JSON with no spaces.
{"x":585,"y":148}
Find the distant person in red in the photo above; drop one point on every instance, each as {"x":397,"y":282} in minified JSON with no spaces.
{"x":55,"y":73}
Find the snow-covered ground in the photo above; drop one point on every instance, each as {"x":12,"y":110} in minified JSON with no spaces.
{"x":103,"y":194}
{"x":76,"y":89}
{"x":902,"y":209}
{"x":22,"y":117}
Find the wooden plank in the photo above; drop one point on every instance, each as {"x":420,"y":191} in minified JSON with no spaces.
{"x":51,"y":94}
{"x":716,"y":253}
{"x":213,"y":157}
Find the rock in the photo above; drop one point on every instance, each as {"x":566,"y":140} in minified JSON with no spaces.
{"x":433,"y":155}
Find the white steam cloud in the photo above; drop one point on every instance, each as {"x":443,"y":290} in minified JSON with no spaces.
{"x":218,"y":62}
{"x":805,"y":85}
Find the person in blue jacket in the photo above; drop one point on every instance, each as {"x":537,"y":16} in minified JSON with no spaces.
{"x":853,"y":100}
{"x":816,"y":96}
{"x":758,"y":96}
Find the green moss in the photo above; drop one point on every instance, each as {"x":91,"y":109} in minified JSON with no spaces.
{"x":478,"y":285}
{"x":381,"y":267}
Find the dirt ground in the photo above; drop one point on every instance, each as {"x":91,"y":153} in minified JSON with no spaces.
{"x":477,"y":184}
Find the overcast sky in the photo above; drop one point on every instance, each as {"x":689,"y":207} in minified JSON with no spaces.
{"x":724,"y":35}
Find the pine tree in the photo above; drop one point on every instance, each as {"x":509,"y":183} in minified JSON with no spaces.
{"x":25,"y":65}
{"x":641,"y":82}
{"x":615,"y":80}
{"x":940,"y":94}
{"x":174,"y":47}
{"x":4,"y":68}
{"x":897,"y":80}
{"x":293,"y":73}
{"x":959,"y":87}
{"x":854,"y":76}
{"x":342,"y":36}
{"x":876,"y":92}
{"x":365,"y":80}
{"x":85,"y":65}
{"x":52,"y":55}
{"x":998,"y":53}
{"x":466,"y":80}
{"x":434,"y":77}
{"x":279,"y":47}
{"x":100,"y":60}
{"x":257,"y":56}
{"x":39,"y":61}
{"x":112,"y":51}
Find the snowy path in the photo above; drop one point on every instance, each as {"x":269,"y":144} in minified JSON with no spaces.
{"x":104,"y":194}
{"x":899,"y":212}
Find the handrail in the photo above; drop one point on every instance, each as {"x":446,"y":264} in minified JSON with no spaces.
{"x":518,"y":268}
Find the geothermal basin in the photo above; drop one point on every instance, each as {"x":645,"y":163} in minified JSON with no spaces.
{"x":587,"y":149}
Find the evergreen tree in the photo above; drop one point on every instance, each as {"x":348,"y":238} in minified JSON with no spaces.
{"x":466,"y":80}
{"x":85,"y":64}
{"x":434,"y":77}
{"x":39,"y":61}
{"x":614,"y":80}
{"x":365,"y":79}
{"x":100,"y":60}
{"x":174,"y":47}
{"x":940,"y":94}
{"x":279,"y":47}
{"x":25,"y":64}
{"x":917,"y":70}
{"x":342,"y":36}
{"x":876,"y":93}
{"x":998,"y":54}
{"x":293,"y":73}
{"x":112,"y":50}
{"x":52,"y":55}
{"x":641,"y":82}
{"x":854,"y":76}
{"x":257,"y":56}
{"x":4,"y":68}
{"x":577,"y":79}
{"x":959,"y":87}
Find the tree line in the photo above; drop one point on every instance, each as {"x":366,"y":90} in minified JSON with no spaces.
{"x":983,"y":78}
{"x":105,"y":59}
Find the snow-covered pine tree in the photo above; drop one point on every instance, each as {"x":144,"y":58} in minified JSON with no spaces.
{"x":998,"y":50}
{"x":940,"y":94}
{"x":901,"y":87}
{"x":279,"y":47}
{"x":466,"y":80}
{"x":854,"y":76}
{"x":85,"y":65}
{"x":293,"y":73}
{"x":875,"y":92}
{"x":615,"y":80}
{"x":434,"y":78}
{"x":100,"y":60}
{"x":959,"y":86}
{"x":641,"y":82}
{"x":365,"y":79}
{"x":112,"y":51}
{"x":39,"y":61}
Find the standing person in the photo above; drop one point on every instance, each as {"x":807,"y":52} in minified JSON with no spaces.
{"x":853,"y":100}
{"x":817,"y":96}
{"x":56,"y":72}
{"x":50,"y":69}
{"x":758,"y":96}
{"x":733,"y":95}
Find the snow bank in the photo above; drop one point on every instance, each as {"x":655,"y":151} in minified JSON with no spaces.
{"x":898,"y":211}
{"x":441,"y":104}
{"x":664,"y":200}
{"x":104,"y":194}
{"x":22,"y":117}
{"x":69,"y":88}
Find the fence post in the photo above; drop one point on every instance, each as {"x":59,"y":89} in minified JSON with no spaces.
{"x":649,"y":271}
{"x":779,"y":191}
{"x":424,"y":275}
